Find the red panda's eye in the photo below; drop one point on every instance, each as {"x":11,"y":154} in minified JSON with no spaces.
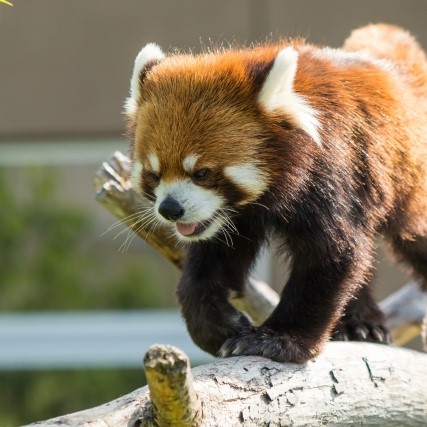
{"x":154,"y":177}
{"x":200,"y":174}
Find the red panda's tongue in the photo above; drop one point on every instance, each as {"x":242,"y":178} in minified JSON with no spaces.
{"x":186,"y":229}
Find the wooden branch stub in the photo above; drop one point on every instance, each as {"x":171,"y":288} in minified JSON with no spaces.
{"x":114,"y":191}
{"x":169,"y":378}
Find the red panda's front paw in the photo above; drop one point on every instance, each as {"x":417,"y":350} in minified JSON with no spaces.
{"x":261,"y":341}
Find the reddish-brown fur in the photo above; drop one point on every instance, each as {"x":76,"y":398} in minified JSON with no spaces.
{"x":326,"y":202}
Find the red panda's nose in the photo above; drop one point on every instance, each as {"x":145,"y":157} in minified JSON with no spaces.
{"x":171,"y":209}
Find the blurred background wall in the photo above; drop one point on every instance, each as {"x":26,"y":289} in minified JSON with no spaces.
{"x":64,"y":73}
{"x":65,"y":65}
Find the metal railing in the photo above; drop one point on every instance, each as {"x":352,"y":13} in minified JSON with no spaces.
{"x":103,"y":339}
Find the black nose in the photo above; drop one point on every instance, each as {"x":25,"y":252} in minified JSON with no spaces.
{"x":171,"y":209}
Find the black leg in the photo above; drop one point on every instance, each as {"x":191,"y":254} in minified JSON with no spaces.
{"x":210,"y":272}
{"x":311,"y":304}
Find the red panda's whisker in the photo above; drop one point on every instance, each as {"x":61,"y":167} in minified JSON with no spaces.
{"x":122,"y":247}
{"x":124,"y":221}
{"x":226,"y":233}
{"x":127,"y":228}
{"x":155,"y":223}
{"x":260,"y":204}
{"x":132,"y":233}
{"x":230,"y":226}
{"x":141,"y":219}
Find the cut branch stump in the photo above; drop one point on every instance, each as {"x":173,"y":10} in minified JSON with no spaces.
{"x":170,"y":382}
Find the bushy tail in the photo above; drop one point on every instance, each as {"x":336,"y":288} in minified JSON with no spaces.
{"x":392,"y":43}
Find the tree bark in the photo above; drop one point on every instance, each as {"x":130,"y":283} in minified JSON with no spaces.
{"x":348,"y":384}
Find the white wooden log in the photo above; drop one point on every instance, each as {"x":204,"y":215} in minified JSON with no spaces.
{"x":348,"y":384}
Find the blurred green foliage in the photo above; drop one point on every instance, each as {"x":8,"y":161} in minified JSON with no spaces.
{"x":46,"y":261}
{"x":49,"y":262}
{"x":34,"y":396}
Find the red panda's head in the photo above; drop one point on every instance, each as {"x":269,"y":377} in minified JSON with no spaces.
{"x":200,"y":131}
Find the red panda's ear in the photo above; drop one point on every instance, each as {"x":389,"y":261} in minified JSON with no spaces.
{"x":278,"y":94}
{"x":148,"y":57}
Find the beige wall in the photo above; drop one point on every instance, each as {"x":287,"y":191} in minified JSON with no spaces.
{"x":65,"y":64}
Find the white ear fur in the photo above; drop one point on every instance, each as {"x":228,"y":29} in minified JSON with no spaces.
{"x":278,"y":93}
{"x":151,"y":52}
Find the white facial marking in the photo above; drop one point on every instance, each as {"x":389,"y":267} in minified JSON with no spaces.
{"x":135,"y":177}
{"x":154,"y":162}
{"x":151,"y":52}
{"x":199,"y":205}
{"x":189,"y":162}
{"x":278,"y":93}
{"x":249,"y":177}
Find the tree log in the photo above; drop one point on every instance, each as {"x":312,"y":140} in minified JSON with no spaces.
{"x":348,"y":384}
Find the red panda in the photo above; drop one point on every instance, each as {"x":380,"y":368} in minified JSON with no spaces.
{"x":321,"y":148}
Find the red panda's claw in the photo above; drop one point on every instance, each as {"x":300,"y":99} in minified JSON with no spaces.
{"x":376,"y":333}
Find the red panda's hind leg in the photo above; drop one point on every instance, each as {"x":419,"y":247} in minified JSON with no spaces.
{"x":362,"y":321}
